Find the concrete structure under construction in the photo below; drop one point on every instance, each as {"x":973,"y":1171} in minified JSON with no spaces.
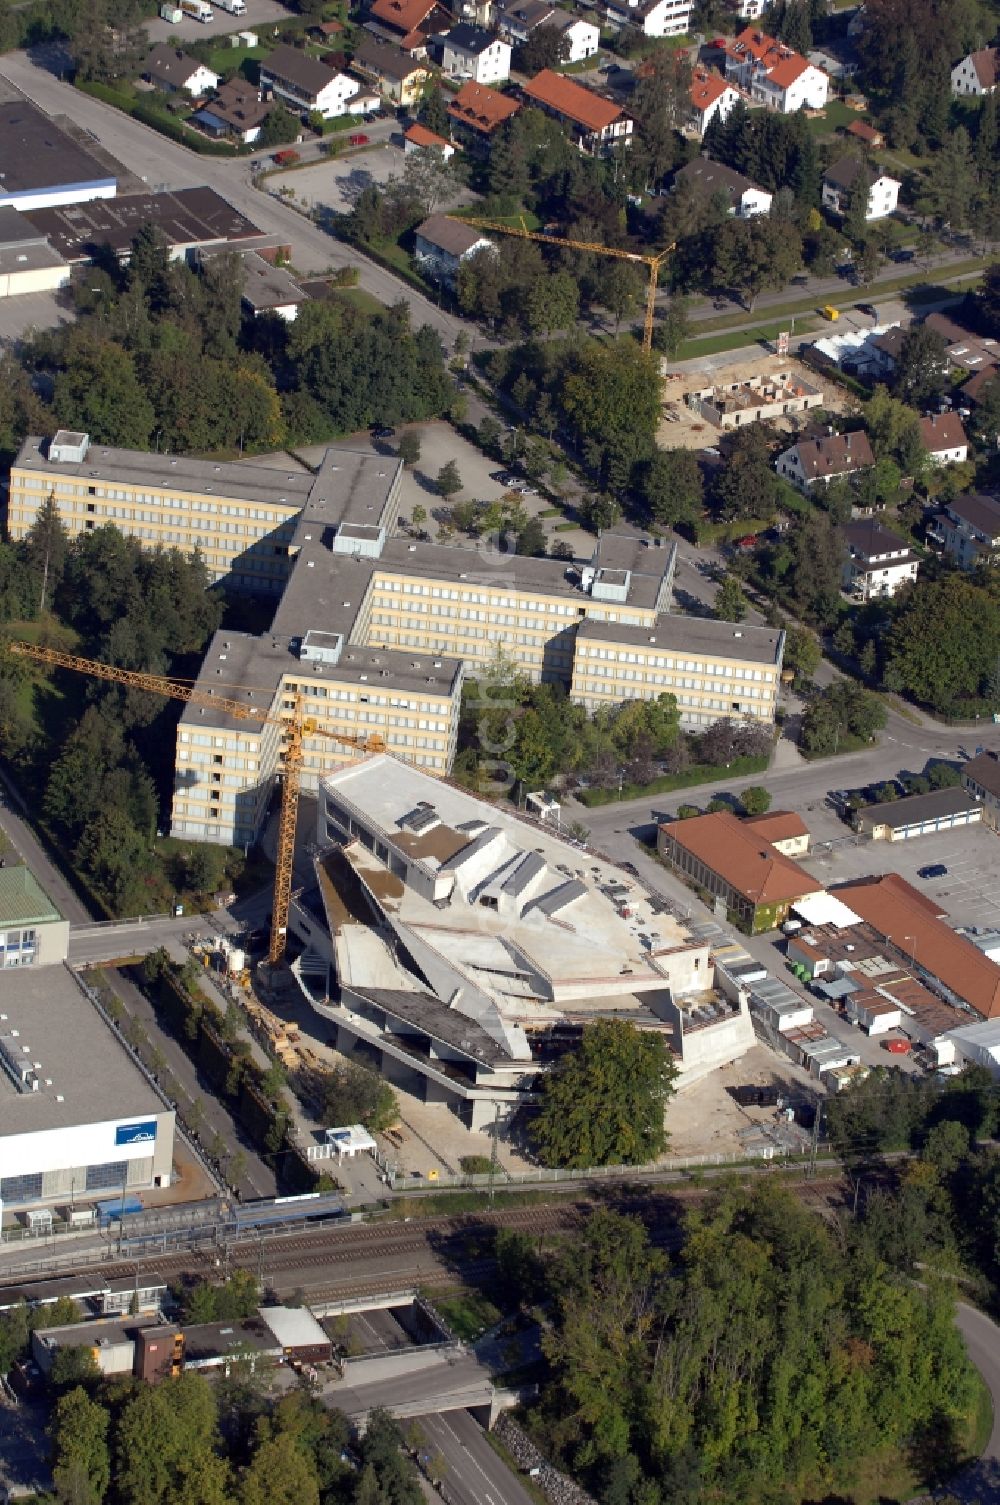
{"x":738,"y":403}
{"x":458,"y":947}
{"x":374,"y":630}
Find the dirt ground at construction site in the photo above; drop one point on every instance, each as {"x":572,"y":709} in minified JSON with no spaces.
{"x":704,"y":1119}
{"x":682,"y":427}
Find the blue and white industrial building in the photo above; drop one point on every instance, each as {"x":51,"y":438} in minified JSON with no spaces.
{"x":79,"y":1121}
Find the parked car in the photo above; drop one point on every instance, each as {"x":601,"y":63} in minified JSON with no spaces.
{"x":383,"y":431}
{"x":359,"y":139}
{"x":932,"y":870}
{"x":867,"y":308}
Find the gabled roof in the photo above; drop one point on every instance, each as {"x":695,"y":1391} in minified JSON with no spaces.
{"x":238,"y":105}
{"x":942,"y":431}
{"x":868,"y":539}
{"x":528,"y":13}
{"x":706,"y":88}
{"x":742,"y":857}
{"x":707,"y":177}
{"x":169,"y":65}
{"x":482,"y":108}
{"x":290,"y":66}
{"x":561,"y":20}
{"x":421,"y":136}
{"x":781,"y":65}
{"x":572,"y":100}
{"x":894,"y":908}
{"x":786,"y":70}
{"x":979,"y":511}
{"x":986,"y":63}
{"x":838,"y":455}
{"x":984,"y":771}
{"x":449,"y":235}
{"x":403,"y":15}
{"x":777,"y":825}
{"x":385,"y":59}
{"x":474,"y":40}
{"x":973,"y":388}
{"x":865,"y":132}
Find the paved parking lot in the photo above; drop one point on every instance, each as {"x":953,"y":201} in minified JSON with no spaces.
{"x":336,"y":182}
{"x":30,"y":311}
{"x":260,"y":14}
{"x":969,"y":892}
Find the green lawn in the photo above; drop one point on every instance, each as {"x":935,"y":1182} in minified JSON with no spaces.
{"x":469,"y":1314}
{"x":360,"y":299}
{"x":836,"y":117}
{"x":227,"y":60}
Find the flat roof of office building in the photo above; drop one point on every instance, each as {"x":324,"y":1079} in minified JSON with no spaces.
{"x":92,"y":1078}
{"x":231,"y":480}
{"x":186,"y":216}
{"x":36,"y":154}
{"x":703,"y":635}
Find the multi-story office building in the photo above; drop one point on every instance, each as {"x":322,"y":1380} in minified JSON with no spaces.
{"x":373,"y":632}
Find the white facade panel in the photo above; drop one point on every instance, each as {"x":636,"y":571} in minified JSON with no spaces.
{"x":52,"y":198}
{"x":78,"y":1145}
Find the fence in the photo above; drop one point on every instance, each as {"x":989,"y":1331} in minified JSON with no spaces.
{"x":542,"y":1176}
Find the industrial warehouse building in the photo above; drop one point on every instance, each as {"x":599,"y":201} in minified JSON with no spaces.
{"x":918,"y":815}
{"x":374,"y":631}
{"x":78,"y":1119}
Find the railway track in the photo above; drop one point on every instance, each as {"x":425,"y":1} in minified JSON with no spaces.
{"x":435,"y":1249}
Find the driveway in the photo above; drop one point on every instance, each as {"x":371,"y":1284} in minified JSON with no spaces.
{"x":980,"y":1484}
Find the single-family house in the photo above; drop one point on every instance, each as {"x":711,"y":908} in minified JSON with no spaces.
{"x":238,"y":109}
{"x":775,"y":76}
{"x":708,"y":179}
{"x":170,"y":68}
{"x":981,"y":779}
{"x":755,"y":882}
{"x":442,"y":244}
{"x":878,"y":563}
{"x":711,"y":97}
{"x":969,"y":530}
{"x":418,"y":138}
{"x":270,"y":289}
{"x":944,"y":438}
{"x":824,"y":460}
{"x":978,"y":73}
{"x":519,"y":18}
{"x":596,"y":124}
{"x":843,"y":176}
{"x":477,"y":113}
{"x":751,"y":10}
{"x":868,"y":136}
{"x":582,"y":36}
{"x":397,"y":76}
{"x":303,"y":83}
{"x":979,"y":387}
{"x":410,"y":22}
{"x":654,"y":18}
{"x":468,"y":51}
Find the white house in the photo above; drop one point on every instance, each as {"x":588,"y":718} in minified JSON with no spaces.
{"x":419,"y":139}
{"x":838,"y":184}
{"x":654,"y":18}
{"x":824,"y":460}
{"x":708,"y":179}
{"x":711,"y":96}
{"x":879,"y":562}
{"x":774,"y":75}
{"x":305,"y":85}
{"x":978,"y":73}
{"x":470,"y":52}
{"x":170,"y":68}
{"x":442,"y":244}
{"x":751,"y":10}
{"x":583,"y":36}
{"x":519,"y":18}
{"x":944,"y":439}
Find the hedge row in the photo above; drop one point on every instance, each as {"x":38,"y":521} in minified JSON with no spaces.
{"x":698,"y":773}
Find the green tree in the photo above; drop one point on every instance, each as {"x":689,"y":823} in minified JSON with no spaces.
{"x":731,"y":603}
{"x":944,"y":641}
{"x":448,"y":482}
{"x":921,"y":373}
{"x":352,"y":1094}
{"x":531,"y":539}
{"x":46,"y":547}
{"x":842,"y":709}
{"x":433,"y":111}
{"x":621,"y":291}
{"x":73,"y":1365}
{"x":98,"y":392}
{"x":604,"y":1102}
{"x":280,"y":1473}
{"x":756,"y":800}
{"x":280,"y":127}
{"x":408,"y":448}
{"x":752,"y":255}
{"x":746,"y":486}
{"x":802,"y":652}
{"x":81,"y":1457}
{"x":546,"y":47}
{"x":671,"y":487}
{"x":672,"y":328}
{"x":165,"y":1446}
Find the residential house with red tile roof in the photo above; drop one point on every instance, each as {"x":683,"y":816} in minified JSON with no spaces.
{"x":775,"y":76}
{"x":596,"y":124}
{"x":825,"y":460}
{"x":978,"y":73}
{"x":711,"y":97}
{"x":944,"y":438}
{"x":477,"y":113}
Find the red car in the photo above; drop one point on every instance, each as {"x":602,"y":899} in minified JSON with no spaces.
{"x":359,"y":139}
{"x":898,"y":1047}
{"x":286,"y":158}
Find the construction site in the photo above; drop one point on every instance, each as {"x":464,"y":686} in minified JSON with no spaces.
{"x":774,"y":389}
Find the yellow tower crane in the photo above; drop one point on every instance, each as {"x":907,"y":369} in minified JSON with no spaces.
{"x":296,"y":728}
{"x":652,"y":262}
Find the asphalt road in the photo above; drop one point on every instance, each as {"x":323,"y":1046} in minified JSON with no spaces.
{"x":164,"y":164}
{"x":27,"y":845}
{"x":981,"y":1482}
{"x":473,"y":1473}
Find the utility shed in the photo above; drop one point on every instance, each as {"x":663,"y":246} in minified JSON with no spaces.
{"x":918,"y":815}
{"x":298,"y":1333}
